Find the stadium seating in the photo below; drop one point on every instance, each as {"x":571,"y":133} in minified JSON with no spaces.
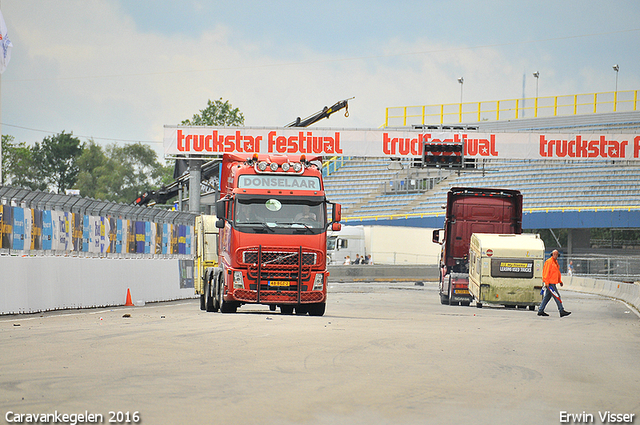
{"x":365,"y":186}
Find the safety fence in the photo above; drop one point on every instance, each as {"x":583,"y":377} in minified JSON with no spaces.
{"x":41,"y":223}
{"x":608,"y":267}
{"x":510,"y":109}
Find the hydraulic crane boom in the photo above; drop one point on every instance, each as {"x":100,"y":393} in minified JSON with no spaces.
{"x":324,"y":113}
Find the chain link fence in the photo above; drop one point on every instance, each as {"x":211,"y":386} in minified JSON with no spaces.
{"x":622,"y":268}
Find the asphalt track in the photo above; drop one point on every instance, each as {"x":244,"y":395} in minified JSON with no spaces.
{"x":384,"y":353}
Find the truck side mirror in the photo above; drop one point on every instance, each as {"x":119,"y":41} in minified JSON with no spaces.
{"x":336,"y":213}
{"x":436,"y":236}
{"x":336,"y":226}
{"x":221,"y":210}
{"x":220,"y":223}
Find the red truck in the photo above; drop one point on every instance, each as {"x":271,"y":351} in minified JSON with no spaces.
{"x":468,"y":211}
{"x":272,"y":247}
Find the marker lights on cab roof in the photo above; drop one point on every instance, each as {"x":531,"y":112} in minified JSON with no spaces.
{"x":274,"y":167}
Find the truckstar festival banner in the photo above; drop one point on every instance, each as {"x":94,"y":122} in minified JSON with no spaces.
{"x":210,"y":141}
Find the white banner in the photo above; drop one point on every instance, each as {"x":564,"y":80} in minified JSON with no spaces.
{"x":205,"y":141}
{"x":5,"y":44}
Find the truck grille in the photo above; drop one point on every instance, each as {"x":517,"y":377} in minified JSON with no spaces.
{"x":274,"y":296}
{"x":273,"y":259}
{"x":280,"y":263}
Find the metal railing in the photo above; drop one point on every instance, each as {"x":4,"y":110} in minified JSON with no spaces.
{"x":524,"y":210}
{"x":510,"y":109}
{"x":332,"y":164}
{"x":623,"y":268}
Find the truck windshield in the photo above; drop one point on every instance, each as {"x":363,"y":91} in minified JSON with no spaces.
{"x":286,"y":215}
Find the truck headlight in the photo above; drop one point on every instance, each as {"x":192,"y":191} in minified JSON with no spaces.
{"x":318,"y":282}
{"x":238,"y":281}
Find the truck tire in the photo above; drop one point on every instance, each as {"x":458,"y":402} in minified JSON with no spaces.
{"x":225,"y":306}
{"x":286,"y":309}
{"x":317,"y":309}
{"x":444,"y":298}
{"x":202,"y":302}
{"x":217,"y":292}
{"x":228,"y":307}
{"x":451,"y":294}
{"x":208,"y":299}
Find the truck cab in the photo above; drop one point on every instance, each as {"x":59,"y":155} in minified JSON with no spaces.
{"x":273,"y":223}
{"x":468,"y":211}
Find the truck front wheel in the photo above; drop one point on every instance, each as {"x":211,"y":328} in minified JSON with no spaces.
{"x":317,"y":309}
{"x":217,"y":290}
{"x":208,"y":298}
{"x":228,"y":307}
{"x":286,"y":309}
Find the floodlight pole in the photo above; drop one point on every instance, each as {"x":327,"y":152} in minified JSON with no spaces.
{"x":461,"y":81}
{"x":616,"y":68}
{"x":537,"y":75}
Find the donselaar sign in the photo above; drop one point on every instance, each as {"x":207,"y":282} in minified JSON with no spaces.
{"x":209,"y":141}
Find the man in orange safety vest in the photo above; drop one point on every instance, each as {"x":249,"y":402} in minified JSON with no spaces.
{"x":551,"y":277}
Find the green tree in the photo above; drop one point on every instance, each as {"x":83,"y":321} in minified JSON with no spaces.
{"x":217,"y":113}
{"x":57,"y":158}
{"x":18,"y":165}
{"x":120,"y":173}
{"x":92,"y":166}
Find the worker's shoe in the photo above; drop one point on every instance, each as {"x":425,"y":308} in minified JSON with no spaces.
{"x":542,"y":313}
{"x":564,"y":313}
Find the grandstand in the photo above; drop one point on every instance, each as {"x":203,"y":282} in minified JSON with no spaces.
{"x":369,"y":189}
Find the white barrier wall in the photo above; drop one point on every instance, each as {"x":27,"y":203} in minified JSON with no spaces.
{"x":627,"y":292}
{"x":34,"y":284}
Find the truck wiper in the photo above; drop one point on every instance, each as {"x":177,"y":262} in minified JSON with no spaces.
{"x":292,"y":224}
{"x":253,"y":223}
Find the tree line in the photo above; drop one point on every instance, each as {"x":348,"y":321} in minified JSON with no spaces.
{"x":61,"y":162}
{"x":112,"y":173}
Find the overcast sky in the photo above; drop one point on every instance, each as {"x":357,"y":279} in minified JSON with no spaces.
{"x":119,"y":70}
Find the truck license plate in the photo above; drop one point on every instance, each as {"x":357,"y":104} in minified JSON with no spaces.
{"x":279,"y":283}
{"x":461,"y":291}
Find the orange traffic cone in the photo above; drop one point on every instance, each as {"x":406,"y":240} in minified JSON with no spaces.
{"x":128,"y":303}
